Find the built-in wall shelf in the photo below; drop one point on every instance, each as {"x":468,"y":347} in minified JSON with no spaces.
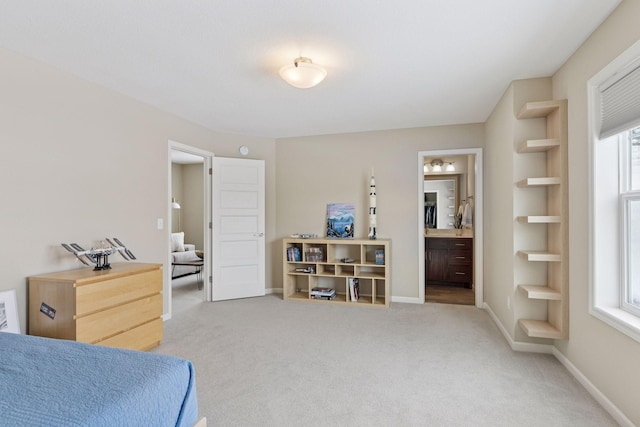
{"x":532,"y":110}
{"x":539,"y":219}
{"x":541,"y":256}
{"x":540,"y":329}
{"x":541,"y":292}
{"x":539,"y":182}
{"x":538,"y":145}
{"x":554,"y":147}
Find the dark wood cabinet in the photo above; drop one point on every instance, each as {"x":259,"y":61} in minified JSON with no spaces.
{"x":449,"y":260}
{"x":437,"y":264}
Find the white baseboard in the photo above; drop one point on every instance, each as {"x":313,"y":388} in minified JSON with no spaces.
{"x":515,"y":345}
{"x":268,"y":291}
{"x":582,"y":379}
{"x":407,"y":300}
{"x":593,"y":390}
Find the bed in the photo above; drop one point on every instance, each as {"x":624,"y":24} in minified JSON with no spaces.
{"x":48,"y":382}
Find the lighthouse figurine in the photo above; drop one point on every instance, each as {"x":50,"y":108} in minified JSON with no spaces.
{"x":372,"y":207}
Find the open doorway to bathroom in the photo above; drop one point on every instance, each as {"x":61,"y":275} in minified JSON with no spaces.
{"x":450,"y":226}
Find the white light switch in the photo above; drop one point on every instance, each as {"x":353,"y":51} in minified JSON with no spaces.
{"x":160,"y":223}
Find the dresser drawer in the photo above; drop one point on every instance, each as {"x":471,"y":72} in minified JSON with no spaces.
{"x":460,"y":243}
{"x":141,"y":338}
{"x":448,"y":243}
{"x":437,"y":243}
{"x":97,"y":326}
{"x":460,"y":257}
{"x":460,"y":273}
{"x":110,"y":293}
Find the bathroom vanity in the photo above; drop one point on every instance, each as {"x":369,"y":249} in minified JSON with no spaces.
{"x":449,"y":260}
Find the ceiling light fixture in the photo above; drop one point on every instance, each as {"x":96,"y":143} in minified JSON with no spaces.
{"x":303,"y":73}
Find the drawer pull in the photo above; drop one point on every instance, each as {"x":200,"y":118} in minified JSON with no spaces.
{"x":461,"y":274}
{"x":459,"y":244}
{"x":461,"y":257}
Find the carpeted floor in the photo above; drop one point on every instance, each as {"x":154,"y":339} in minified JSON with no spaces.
{"x":268,"y":362}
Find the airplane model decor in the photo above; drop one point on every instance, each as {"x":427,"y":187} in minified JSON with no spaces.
{"x":100,"y":256}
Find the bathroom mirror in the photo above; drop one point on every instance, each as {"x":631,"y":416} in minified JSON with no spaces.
{"x":440,"y":202}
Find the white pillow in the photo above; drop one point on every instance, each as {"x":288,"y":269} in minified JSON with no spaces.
{"x":177,"y":242}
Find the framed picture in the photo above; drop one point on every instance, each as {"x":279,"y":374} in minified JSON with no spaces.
{"x":340,"y":220}
{"x":9,"y":321}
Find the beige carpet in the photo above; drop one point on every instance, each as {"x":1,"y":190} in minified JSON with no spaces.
{"x":268,"y":362}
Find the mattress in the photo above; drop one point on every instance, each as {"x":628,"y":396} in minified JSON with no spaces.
{"x":48,"y":382}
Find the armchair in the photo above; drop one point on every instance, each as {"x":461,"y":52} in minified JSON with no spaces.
{"x":182,"y":253}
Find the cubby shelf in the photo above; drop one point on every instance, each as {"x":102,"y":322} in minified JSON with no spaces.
{"x":532,"y":110}
{"x":554,"y":147}
{"x":538,"y":145}
{"x":539,"y":219}
{"x":541,"y":256}
{"x":540,"y":329}
{"x":332,"y":271}
{"x":541,"y":292}
{"x":539,"y":182}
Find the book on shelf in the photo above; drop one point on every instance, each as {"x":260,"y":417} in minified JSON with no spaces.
{"x":354,"y":288}
{"x":379,"y":256}
{"x":293,"y":254}
{"x":314,"y":254}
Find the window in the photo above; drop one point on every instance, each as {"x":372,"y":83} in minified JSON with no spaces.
{"x":630,"y":231}
{"x":614,"y":211}
{"x":629,"y":170}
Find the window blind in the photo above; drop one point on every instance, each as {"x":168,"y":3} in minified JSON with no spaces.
{"x":620,"y":103}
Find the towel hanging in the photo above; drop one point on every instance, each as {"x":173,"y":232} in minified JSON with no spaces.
{"x":467,"y":219}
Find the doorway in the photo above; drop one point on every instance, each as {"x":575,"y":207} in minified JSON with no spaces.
{"x":189,"y":212}
{"x":472,"y":190}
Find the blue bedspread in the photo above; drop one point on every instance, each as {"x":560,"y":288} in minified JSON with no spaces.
{"x":47,"y":382}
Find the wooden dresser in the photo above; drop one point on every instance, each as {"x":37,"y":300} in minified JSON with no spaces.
{"x":449,"y":260}
{"x":120,"y":307}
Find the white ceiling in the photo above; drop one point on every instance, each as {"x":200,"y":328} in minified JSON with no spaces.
{"x":391,"y":64}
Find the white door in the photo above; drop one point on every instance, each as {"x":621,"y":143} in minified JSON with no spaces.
{"x":238,"y":228}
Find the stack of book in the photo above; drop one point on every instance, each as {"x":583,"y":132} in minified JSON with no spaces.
{"x":293,"y":254}
{"x":323,"y":293}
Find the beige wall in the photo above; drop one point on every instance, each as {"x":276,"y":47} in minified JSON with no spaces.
{"x":80,"y":163}
{"x":176,"y":193}
{"x":193,"y":212}
{"x":498,"y":210}
{"x":608,"y":358}
{"x":314,"y":171}
{"x":187,"y":186}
